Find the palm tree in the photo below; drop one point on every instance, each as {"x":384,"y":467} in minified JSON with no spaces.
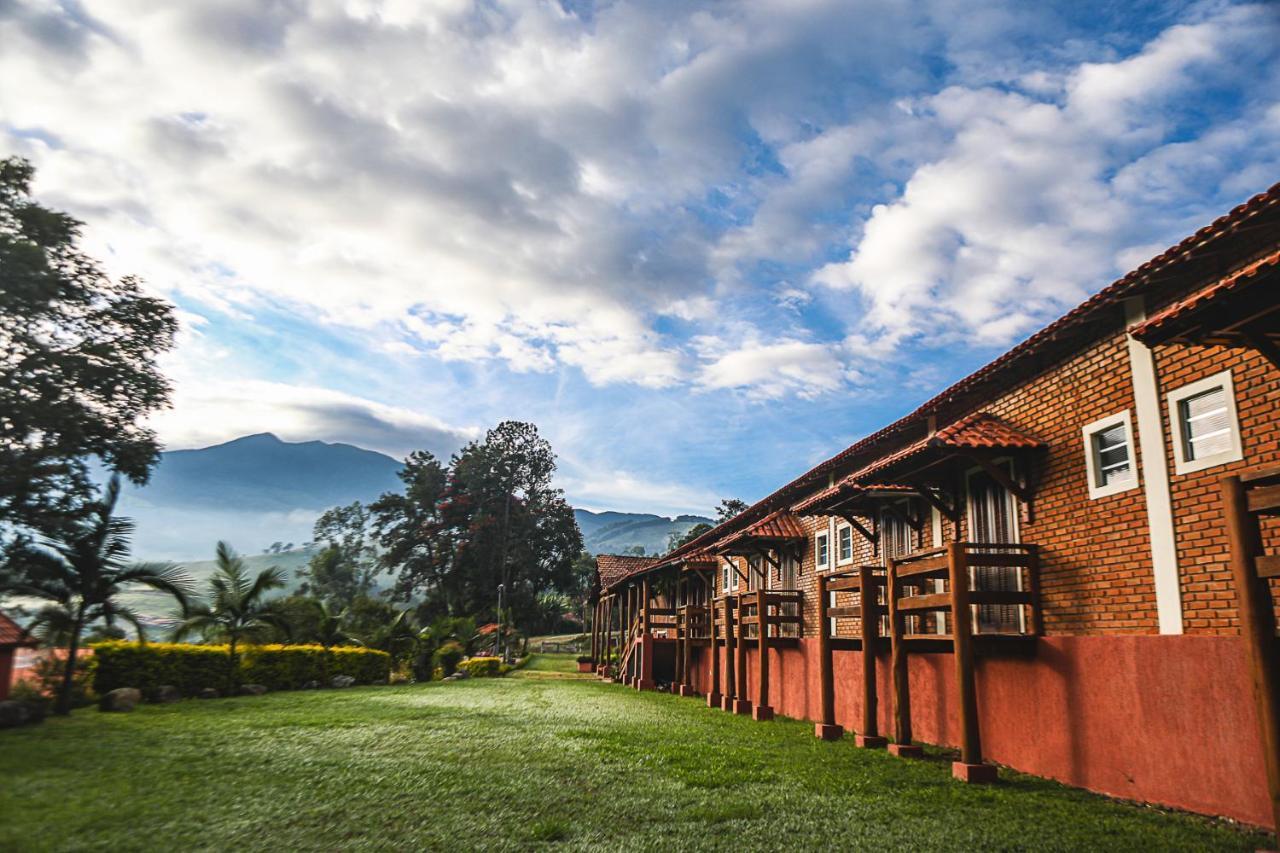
{"x":332,"y":632}
{"x":237,"y":608}
{"x":81,"y":573}
{"x":399,"y":637}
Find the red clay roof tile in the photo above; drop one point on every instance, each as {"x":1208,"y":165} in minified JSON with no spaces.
{"x":12,"y":634}
{"x":1207,"y":295}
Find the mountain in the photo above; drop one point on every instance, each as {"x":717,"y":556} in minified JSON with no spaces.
{"x":251,"y":491}
{"x":615,"y":532}
{"x":259,"y":490}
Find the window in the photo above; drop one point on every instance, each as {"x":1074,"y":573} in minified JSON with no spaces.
{"x":1206,"y":429}
{"x":1108,"y":448}
{"x":822,"y":552}
{"x":895,"y":534}
{"x":844,"y":544}
{"x":993,"y":518}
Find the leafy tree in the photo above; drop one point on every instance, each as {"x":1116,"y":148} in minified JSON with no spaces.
{"x":729,"y":508}
{"x":332,"y":630}
{"x":77,"y":367}
{"x":82,"y":574}
{"x":237,"y":609}
{"x":490,"y":517}
{"x":676,"y":539}
{"x":399,"y":638}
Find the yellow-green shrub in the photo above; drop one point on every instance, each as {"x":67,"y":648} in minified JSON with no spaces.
{"x":193,"y":667}
{"x":486,"y":667}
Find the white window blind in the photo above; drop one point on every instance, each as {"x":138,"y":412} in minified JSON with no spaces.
{"x":1111,"y":455}
{"x":1206,"y":424}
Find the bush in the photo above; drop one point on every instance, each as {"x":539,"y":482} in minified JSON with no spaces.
{"x":586,"y":659}
{"x":448,"y":656}
{"x":486,"y":667}
{"x":191,"y":668}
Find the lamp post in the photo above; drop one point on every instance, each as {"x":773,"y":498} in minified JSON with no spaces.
{"x":501,"y":589}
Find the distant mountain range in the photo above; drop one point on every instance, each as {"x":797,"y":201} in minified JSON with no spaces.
{"x":258,"y":490}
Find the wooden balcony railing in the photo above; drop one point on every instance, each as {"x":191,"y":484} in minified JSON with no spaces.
{"x":851,"y":621}
{"x":991,"y":589}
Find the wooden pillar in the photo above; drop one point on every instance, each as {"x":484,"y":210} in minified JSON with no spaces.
{"x":869,"y":736}
{"x":645,"y":680}
{"x":827,"y":728}
{"x":902,"y":744}
{"x":970,"y":767}
{"x":713,"y":696}
{"x":1257,"y":621}
{"x":685,"y":659}
{"x":730,"y":656}
{"x":763,"y":710}
{"x":741,"y":704}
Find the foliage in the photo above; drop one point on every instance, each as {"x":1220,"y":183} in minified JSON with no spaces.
{"x":237,"y":609}
{"x":444,"y":629}
{"x":191,"y":668}
{"x":46,"y":677}
{"x":623,"y":770}
{"x":489,"y":518}
{"x":484,"y":667}
{"x":675,"y":540}
{"x":78,"y":368}
{"x":344,"y":569}
{"x":448,"y":656}
{"x":82,"y":574}
{"x":730,"y":508}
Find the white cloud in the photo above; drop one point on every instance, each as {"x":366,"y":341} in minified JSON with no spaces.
{"x":770,"y":370}
{"x":625,"y":491}
{"x":1030,"y":205}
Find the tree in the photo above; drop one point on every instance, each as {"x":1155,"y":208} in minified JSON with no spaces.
{"x":677,"y":539}
{"x":345,"y":568}
{"x":78,"y":367}
{"x":237,"y":609}
{"x":729,"y":508}
{"x":490,"y":517}
{"x":82,"y":574}
{"x":331,"y":630}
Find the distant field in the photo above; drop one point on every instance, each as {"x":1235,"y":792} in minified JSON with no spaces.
{"x":517,"y":763}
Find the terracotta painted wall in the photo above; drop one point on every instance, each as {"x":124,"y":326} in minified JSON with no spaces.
{"x":1160,"y":719}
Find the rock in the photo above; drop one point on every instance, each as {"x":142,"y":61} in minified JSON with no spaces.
{"x":166,"y":693}
{"x":252,"y":689}
{"x":36,"y":710}
{"x":311,"y":685}
{"x":207,"y":693}
{"x":341,"y":681}
{"x":13,"y":713}
{"x":120,"y":699}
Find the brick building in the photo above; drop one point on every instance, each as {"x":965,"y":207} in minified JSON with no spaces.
{"x":1032,"y":566}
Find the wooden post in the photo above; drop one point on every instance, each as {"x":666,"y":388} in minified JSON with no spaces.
{"x":869,"y":737}
{"x":827,"y":728}
{"x":686,"y":647}
{"x":595,"y":636}
{"x":902,"y":745}
{"x":970,"y":767}
{"x":730,"y":656}
{"x":1257,"y":625}
{"x":763,"y":710}
{"x":645,"y":680}
{"x":741,"y":704}
{"x":1036,"y":622}
{"x":713,"y":697}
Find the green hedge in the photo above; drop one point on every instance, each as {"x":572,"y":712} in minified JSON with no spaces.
{"x":486,"y":667}
{"x":191,"y":668}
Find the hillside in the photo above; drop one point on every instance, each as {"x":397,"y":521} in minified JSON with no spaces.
{"x":616,"y":532}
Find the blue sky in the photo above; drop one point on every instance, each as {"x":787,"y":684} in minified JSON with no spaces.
{"x":702,"y":246}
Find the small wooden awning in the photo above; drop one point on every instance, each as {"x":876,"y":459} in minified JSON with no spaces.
{"x":1241,"y":309}
{"x":849,"y":498}
{"x":773,"y":531}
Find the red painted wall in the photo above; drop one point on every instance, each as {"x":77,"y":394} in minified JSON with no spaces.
{"x":6,"y":672}
{"x":1160,"y":719}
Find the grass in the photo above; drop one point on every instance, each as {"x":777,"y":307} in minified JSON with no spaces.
{"x":537,"y":760}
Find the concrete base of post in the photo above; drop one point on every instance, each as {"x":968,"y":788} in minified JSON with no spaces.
{"x":822,"y":732}
{"x":870,"y":742}
{"x":714,"y":700}
{"x":741,"y":706}
{"x":762,"y":713}
{"x":976,"y":774}
{"x":906,"y":750}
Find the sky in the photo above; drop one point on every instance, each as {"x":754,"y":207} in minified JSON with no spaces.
{"x":703,"y":246}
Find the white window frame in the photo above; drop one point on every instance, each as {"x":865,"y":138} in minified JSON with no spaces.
{"x":1182,"y":465}
{"x":1091,"y":457}
{"x":820,"y":564}
{"x":841,"y":529}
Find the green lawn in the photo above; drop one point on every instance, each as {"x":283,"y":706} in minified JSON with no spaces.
{"x":522,"y":762}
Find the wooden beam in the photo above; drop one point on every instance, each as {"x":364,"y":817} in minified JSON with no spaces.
{"x":1264,"y":346}
{"x":898,"y":663}
{"x":826,"y":670}
{"x":962,"y":638}
{"x":871,"y":536}
{"x":952,"y":512}
{"x":893,"y":509}
{"x":1256,"y":609}
{"x":1001,"y":476}
{"x":870,"y":642}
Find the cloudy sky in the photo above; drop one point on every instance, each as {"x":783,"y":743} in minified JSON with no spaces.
{"x":701,"y":245}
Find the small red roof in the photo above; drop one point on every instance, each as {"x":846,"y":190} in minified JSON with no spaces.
{"x":1159,"y":327}
{"x":615,"y":567}
{"x":12,"y":634}
{"x":979,"y":430}
{"x":775,"y":526}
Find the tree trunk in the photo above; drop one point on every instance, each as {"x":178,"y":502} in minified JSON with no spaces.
{"x":234,"y":676}
{"x":69,"y":671}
